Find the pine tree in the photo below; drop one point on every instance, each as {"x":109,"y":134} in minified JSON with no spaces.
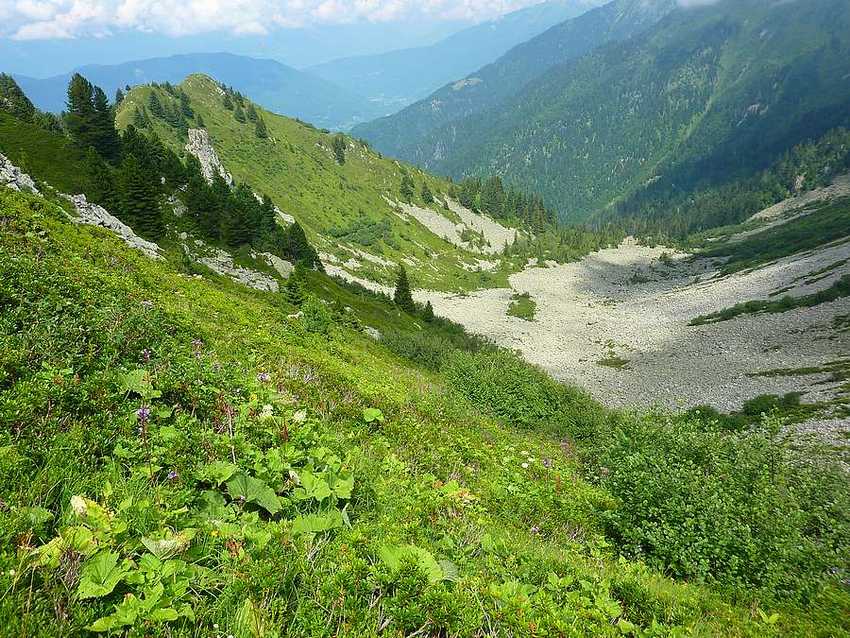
{"x":155,"y":106}
{"x":106,"y":139}
{"x":139,"y":192}
{"x":239,"y":114}
{"x":298,"y":249}
{"x":100,"y":186}
{"x":428,"y":312}
{"x":296,"y":286}
{"x":13,"y":100}
{"x":402,"y":296}
{"x":407,"y":188}
{"x":260,"y":129}
{"x":427,"y":195}
{"x":251,"y":112}
{"x":227,"y":102}
{"x":339,"y":149}
{"x":81,"y":117}
{"x":119,"y":96}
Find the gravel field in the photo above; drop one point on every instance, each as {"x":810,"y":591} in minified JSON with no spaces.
{"x":625,"y":303}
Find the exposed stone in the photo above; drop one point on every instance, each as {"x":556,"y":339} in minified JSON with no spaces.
{"x":284,"y":268}
{"x":372,"y":332}
{"x":13,"y":177}
{"x":95,"y":215}
{"x":221,"y":262}
{"x":201,"y":147}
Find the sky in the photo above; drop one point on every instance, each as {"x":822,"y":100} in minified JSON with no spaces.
{"x":62,"y":19}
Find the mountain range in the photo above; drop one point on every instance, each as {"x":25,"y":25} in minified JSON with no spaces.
{"x":397,"y":78}
{"x":705,"y":94}
{"x":278,"y":87}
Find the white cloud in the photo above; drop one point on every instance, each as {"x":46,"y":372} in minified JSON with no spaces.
{"x":38,"y":19}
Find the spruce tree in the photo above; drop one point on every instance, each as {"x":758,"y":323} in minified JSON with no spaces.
{"x":13,"y":100}
{"x":119,"y":96}
{"x":407,"y":188}
{"x":260,"y":129}
{"x":427,"y":195}
{"x":239,"y":114}
{"x":295,"y":290}
{"x":155,"y":106}
{"x":106,"y":140}
{"x":81,"y":117}
{"x":227,"y":102}
{"x":100,"y":186}
{"x":251,"y":112}
{"x":339,"y":149}
{"x":402,"y":297}
{"x":428,"y":312}
{"x":139,"y":192}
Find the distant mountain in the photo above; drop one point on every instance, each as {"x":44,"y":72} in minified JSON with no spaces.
{"x":397,"y":78}
{"x":297,"y":47}
{"x":711,"y":93}
{"x":406,"y":133}
{"x":276,"y":86}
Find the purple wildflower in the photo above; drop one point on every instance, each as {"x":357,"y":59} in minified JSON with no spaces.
{"x":146,"y":355}
{"x":264,"y":377}
{"x":143,"y":414}
{"x":172,"y":475}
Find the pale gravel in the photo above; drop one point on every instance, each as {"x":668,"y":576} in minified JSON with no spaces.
{"x":591,"y":309}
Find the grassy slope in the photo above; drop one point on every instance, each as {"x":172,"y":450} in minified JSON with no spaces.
{"x":76,"y":324}
{"x":297,"y":169}
{"x":36,"y":150}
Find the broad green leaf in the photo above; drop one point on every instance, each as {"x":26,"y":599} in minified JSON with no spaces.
{"x":100,"y":574}
{"x":163,"y":615}
{"x":170,"y":545}
{"x":342,"y":486}
{"x":312,"y":486}
{"x":317,"y":523}
{"x":217,"y":472}
{"x":255,"y":491}
{"x":373,"y":415}
{"x":394,"y":555}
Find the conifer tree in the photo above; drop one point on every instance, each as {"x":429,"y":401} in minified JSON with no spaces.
{"x":428,"y":312}
{"x":298,"y":249}
{"x":106,"y":140}
{"x":402,"y":296}
{"x":407,"y":188}
{"x":227,"y":102}
{"x":427,"y":195}
{"x":139,"y":198}
{"x":119,"y":96}
{"x":260,"y":129}
{"x":251,"y":112}
{"x":239,"y":114}
{"x":296,"y":286}
{"x":81,"y":116}
{"x":13,"y":100}
{"x":155,"y":106}
{"x":339,"y":149}
{"x":100,"y":185}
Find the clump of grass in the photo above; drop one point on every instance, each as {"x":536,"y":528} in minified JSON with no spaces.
{"x":838,"y":290}
{"x":522,"y":306}
{"x":614,"y":361}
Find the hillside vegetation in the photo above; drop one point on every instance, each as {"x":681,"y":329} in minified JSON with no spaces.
{"x":710,"y":93}
{"x":178,"y":456}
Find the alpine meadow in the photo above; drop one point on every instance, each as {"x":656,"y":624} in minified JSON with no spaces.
{"x":448,"y":319}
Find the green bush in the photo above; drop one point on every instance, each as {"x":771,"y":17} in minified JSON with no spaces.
{"x":501,"y":383}
{"x":734,"y":508}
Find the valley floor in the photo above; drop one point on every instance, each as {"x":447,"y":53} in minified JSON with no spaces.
{"x":617,"y":324}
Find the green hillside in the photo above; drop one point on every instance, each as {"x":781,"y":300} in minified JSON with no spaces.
{"x":342,"y":206}
{"x":407,"y":134}
{"x":184,"y":457}
{"x":711,"y":93}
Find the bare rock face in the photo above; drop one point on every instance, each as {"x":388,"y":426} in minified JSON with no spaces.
{"x":201,"y":147}
{"x":95,"y":215}
{"x":12,"y":177}
{"x":284,"y":268}
{"x":221,"y":262}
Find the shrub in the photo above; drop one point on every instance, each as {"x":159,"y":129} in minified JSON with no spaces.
{"x":735,"y":508}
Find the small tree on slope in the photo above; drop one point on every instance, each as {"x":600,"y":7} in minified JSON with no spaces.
{"x":402,"y":296}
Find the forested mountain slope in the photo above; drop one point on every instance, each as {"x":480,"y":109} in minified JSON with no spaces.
{"x":407,"y":134}
{"x":397,"y":78}
{"x":275,"y":86}
{"x":710,"y":93}
{"x":364,"y":211}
